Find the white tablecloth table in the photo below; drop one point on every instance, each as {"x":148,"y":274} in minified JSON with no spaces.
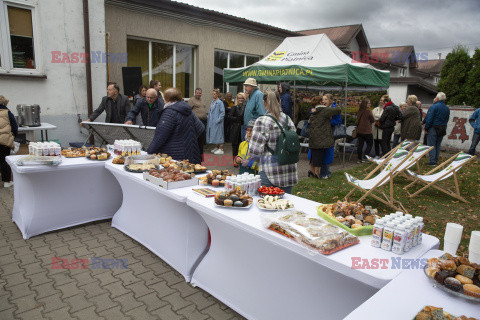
{"x":75,"y":192}
{"x":264,"y":275}
{"x":30,"y":131}
{"x":160,"y":220}
{"x":408,"y":293}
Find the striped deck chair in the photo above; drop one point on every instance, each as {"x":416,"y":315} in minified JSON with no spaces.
{"x":372,"y":187}
{"x":431,"y":179}
{"x":374,"y":162}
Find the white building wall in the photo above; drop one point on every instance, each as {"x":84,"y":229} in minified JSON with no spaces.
{"x":62,"y":95}
{"x":398,"y":92}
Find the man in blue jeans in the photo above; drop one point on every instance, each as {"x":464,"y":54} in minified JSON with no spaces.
{"x":436,"y":125}
{"x":475,"y":123}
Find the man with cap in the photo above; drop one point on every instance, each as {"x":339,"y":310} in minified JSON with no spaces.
{"x":242,"y":159}
{"x":255,"y":107}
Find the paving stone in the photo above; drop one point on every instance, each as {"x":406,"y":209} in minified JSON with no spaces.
{"x":137,"y":268}
{"x":42,"y":251}
{"x":88,"y":313}
{"x":53,"y":302}
{"x":45,"y":290}
{"x":139,"y":289}
{"x":140,"y":313}
{"x":33,"y":268}
{"x":152,"y":301}
{"x":10,"y":268}
{"x":101,"y":252}
{"x":158,"y":268}
{"x":128,"y":302}
{"x":92,"y":243}
{"x":116,"y":289}
{"x":62,"y":251}
{"x":39,"y":278}
{"x":82,"y":252}
{"x":148,"y":277}
{"x":24,"y":303}
{"x":79,"y":302}
{"x":21,"y":251}
{"x":69,"y":290}
{"x":62,"y":313}
{"x":4,"y":303}
{"x":18,"y":243}
{"x":110,"y":243}
{"x":93,"y":289}
{"x":80,"y":230}
{"x":105,"y":277}
{"x":37,"y":242}
{"x":19,"y":290}
{"x":161,"y":289}
{"x":31,"y":315}
{"x":201,"y":300}
{"x":185,"y":289}
{"x":84,"y":278}
{"x":191,"y":313}
{"x":9,"y":258}
{"x":60,"y":277}
{"x":176,"y":301}
{"x":67,"y":235}
{"x":128,"y":278}
{"x":8,"y":313}
{"x":148,"y":259}
{"x":103,"y":236}
{"x":118,"y":252}
{"x":172,"y":277}
{"x":114,"y":313}
{"x":128,"y":243}
{"x":5,"y":251}
{"x":166,"y":313}
{"x":216,"y":312}
{"x":14,"y":279}
{"x":104,"y":302}
{"x":27,"y":259}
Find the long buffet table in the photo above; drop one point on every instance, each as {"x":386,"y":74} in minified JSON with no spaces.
{"x":255,"y":271}
{"x":42,"y":204}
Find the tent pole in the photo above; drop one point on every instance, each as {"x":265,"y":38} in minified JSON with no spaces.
{"x":345,"y":139}
{"x":294,"y":102}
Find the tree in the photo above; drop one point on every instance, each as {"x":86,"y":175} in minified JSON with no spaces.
{"x":472,"y":86}
{"x":454,"y":75}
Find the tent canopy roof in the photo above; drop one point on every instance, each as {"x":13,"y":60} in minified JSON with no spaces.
{"x":310,"y":60}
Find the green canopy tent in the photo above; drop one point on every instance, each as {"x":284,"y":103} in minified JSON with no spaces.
{"x":311,"y":60}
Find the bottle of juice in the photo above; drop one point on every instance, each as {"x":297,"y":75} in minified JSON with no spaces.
{"x":420,"y":229}
{"x":387,"y":239}
{"x":399,"y":236}
{"x":377,"y":233}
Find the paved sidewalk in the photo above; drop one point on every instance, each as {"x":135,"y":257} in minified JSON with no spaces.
{"x":148,"y":289}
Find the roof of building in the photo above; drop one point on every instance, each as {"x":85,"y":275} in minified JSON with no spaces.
{"x":196,"y":13}
{"x":415,"y":81}
{"x":340,"y":36}
{"x":431,"y":66}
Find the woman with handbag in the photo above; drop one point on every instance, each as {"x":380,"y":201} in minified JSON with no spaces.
{"x":320,"y":133}
{"x":364,"y":129}
{"x":336,"y":120}
{"x":8,"y":130}
{"x":377,"y":131}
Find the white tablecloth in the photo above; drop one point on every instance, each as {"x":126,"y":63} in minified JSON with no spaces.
{"x":30,"y":131}
{"x":160,"y":220}
{"x":264,"y":275}
{"x":408,"y":293}
{"x":75,"y":192}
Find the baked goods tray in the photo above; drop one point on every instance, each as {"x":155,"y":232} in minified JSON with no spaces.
{"x":455,"y":293}
{"x":170,"y":185}
{"x":38,"y":161}
{"x":233,"y":207}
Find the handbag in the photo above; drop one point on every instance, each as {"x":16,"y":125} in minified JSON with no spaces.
{"x":354,"y":133}
{"x":339,"y":131}
{"x":305,"y":129}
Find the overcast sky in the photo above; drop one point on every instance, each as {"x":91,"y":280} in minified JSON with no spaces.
{"x":431,"y":26}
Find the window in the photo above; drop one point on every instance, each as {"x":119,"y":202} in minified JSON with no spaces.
{"x":224,"y":59}
{"x":171,"y":64}
{"x":435,"y":80}
{"x":403,"y":72}
{"x":18,"y":38}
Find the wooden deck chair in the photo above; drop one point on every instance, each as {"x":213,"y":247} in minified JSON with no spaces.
{"x":417,"y":153}
{"x":431,"y":179}
{"x":405,"y":144}
{"x":372,"y":187}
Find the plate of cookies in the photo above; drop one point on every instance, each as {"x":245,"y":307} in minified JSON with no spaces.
{"x":455,"y":275}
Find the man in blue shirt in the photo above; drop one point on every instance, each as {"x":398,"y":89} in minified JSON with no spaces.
{"x":436,"y":126}
{"x":475,"y":123}
{"x":150,"y":108}
{"x":255,"y":107}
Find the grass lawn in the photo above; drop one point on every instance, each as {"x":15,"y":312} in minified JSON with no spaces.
{"x":434,"y":206}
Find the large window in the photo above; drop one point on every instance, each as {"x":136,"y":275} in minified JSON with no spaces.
{"x":171,"y":64}
{"x":18,"y":38}
{"x":224,"y":59}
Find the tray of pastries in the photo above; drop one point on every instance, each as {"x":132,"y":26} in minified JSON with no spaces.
{"x":141,"y":163}
{"x":233,"y":199}
{"x":73,"y":152}
{"x":274,"y":203}
{"x":170,"y":178}
{"x":436,"y":313}
{"x":216,"y":178}
{"x":455,"y":275}
{"x":97,"y":154}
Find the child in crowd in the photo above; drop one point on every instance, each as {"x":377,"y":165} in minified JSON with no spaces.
{"x":242,"y":159}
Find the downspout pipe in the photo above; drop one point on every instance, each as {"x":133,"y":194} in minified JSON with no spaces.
{"x":88,"y":65}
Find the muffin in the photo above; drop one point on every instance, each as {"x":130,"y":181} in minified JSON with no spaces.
{"x":453,"y":284}
{"x":471,"y":290}
{"x":227,"y":203}
{"x":463,"y":279}
{"x":440,"y":276}
{"x":466,"y":271}
{"x":448,"y":265}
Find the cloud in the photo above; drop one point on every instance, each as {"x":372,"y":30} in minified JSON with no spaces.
{"x":430,"y":25}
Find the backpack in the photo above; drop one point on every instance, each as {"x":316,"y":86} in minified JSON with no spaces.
{"x":287,"y":150}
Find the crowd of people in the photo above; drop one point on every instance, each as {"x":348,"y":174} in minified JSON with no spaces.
{"x":254,"y":123}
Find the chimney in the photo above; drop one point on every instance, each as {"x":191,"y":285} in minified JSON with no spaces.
{"x":439,"y":56}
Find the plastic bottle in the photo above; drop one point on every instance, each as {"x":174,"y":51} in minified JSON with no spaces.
{"x":399,"y":236}
{"x":409,"y":230}
{"x":420,"y":229}
{"x":387,"y":239}
{"x":415,"y":233}
{"x":409,"y":216}
{"x":377,"y":233}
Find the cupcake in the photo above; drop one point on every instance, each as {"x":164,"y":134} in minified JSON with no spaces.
{"x":453,"y":284}
{"x":448,"y":265}
{"x":471,"y":290}
{"x":227,"y":203}
{"x":215,"y":183}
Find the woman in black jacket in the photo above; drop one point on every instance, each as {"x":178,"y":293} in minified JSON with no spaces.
{"x":235,"y":118}
{"x":391,"y":114}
